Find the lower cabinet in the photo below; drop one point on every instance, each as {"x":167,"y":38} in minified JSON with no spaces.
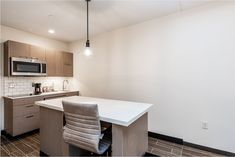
{"x":25,"y":123}
{"x":22,"y":115}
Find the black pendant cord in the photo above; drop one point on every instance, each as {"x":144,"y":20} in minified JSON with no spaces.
{"x":88,"y":43}
{"x":87,"y":9}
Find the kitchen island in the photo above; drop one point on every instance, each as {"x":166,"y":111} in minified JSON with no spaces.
{"x":129,"y":125}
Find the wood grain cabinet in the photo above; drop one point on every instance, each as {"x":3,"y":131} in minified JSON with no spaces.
{"x":37,"y":52}
{"x":50,"y":59}
{"x":17,"y":49}
{"x":68,"y":64}
{"x":14,"y":49}
{"x":22,"y":115}
{"x":59,"y":63}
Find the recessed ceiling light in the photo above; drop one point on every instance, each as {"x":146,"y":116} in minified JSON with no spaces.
{"x":52,"y":31}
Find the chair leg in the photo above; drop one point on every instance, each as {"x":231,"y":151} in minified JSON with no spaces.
{"x":109,"y":152}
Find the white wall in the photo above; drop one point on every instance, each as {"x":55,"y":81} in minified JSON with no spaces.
{"x":183,"y":64}
{"x":8,"y":33}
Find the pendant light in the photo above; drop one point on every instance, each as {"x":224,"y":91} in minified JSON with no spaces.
{"x":88,"y":51}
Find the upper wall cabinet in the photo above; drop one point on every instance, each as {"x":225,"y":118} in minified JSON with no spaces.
{"x":16,"y":49}
{"x":58,"y":63}
{"x":37,"y":52}
{"x":68,"y":64}
{"x":50,"y":59}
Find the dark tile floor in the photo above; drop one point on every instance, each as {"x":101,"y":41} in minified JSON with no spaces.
{"x":28,"y":145}
{"x":165,"y":148}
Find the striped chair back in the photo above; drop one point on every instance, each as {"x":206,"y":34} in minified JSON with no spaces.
{"x":82,"y":127}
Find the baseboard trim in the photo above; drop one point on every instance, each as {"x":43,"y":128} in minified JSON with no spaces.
{"x":213,"y":150}
{"x":166,"y":138}
{"x":182,"y":142}
{"x":42,"y":154}
{"x":149,"y":154}
{"x":3,"y":132}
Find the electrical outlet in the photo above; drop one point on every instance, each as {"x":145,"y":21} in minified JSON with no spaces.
{"x":205,"y":125}
{"x":12,"y":85}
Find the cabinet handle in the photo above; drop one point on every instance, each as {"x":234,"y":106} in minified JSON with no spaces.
{"x":29,"y":106}
{"x":29,"y":116}
{"x":53,"y":97}
{"x":34,"y":58}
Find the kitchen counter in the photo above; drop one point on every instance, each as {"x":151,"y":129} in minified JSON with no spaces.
{"x":113,"y":111}
{"x":129,"y":125}
{"x":21,"y":113}
{"x":43,"y":94}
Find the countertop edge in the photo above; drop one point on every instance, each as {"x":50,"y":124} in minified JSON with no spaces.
{"x":126,"y":124}
{"x":44,"y":94}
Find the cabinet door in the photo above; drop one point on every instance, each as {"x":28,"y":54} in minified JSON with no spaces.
{"x":68,"y":64}
{"x":59,"y":63}
{"x":51,"y":60}
{"x":17,"y":49}
{"x":37,"y":52}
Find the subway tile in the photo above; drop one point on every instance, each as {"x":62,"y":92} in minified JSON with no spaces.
{"x":23,"y":85}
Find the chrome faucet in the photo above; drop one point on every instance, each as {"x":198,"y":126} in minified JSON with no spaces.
{"x":65,"y":87}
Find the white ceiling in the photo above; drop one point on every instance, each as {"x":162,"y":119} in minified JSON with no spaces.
{"x":69,"y":16}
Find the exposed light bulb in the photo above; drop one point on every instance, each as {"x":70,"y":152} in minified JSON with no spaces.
{"x":88,"y":52}
{"x":51,"y":31}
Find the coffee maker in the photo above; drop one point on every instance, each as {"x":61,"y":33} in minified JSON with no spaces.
{"x":37,"y":88}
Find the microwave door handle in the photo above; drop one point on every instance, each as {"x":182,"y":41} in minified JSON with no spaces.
{"x":41,"y":68}
{"x":11,"y":66}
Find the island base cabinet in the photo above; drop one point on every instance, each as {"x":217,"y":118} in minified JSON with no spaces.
{"x":131,"y":140}
{"x":127,"y":141}
{"x":51,"y":133}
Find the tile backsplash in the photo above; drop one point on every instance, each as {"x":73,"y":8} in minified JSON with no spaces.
{"x":23,"y":85}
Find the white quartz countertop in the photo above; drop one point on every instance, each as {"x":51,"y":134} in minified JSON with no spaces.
{"x":113,"y":111}
{"x":42,"y":94}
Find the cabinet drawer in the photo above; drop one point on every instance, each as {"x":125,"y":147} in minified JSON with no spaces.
{"x":25,"y":124}
{"x":20,"y":102}
{"x":72,"y":94}
{"x":23,"y":110}
{"x":23,"y":101}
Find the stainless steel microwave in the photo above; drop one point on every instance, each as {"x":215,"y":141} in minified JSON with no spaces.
{"x":28,"y":67}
